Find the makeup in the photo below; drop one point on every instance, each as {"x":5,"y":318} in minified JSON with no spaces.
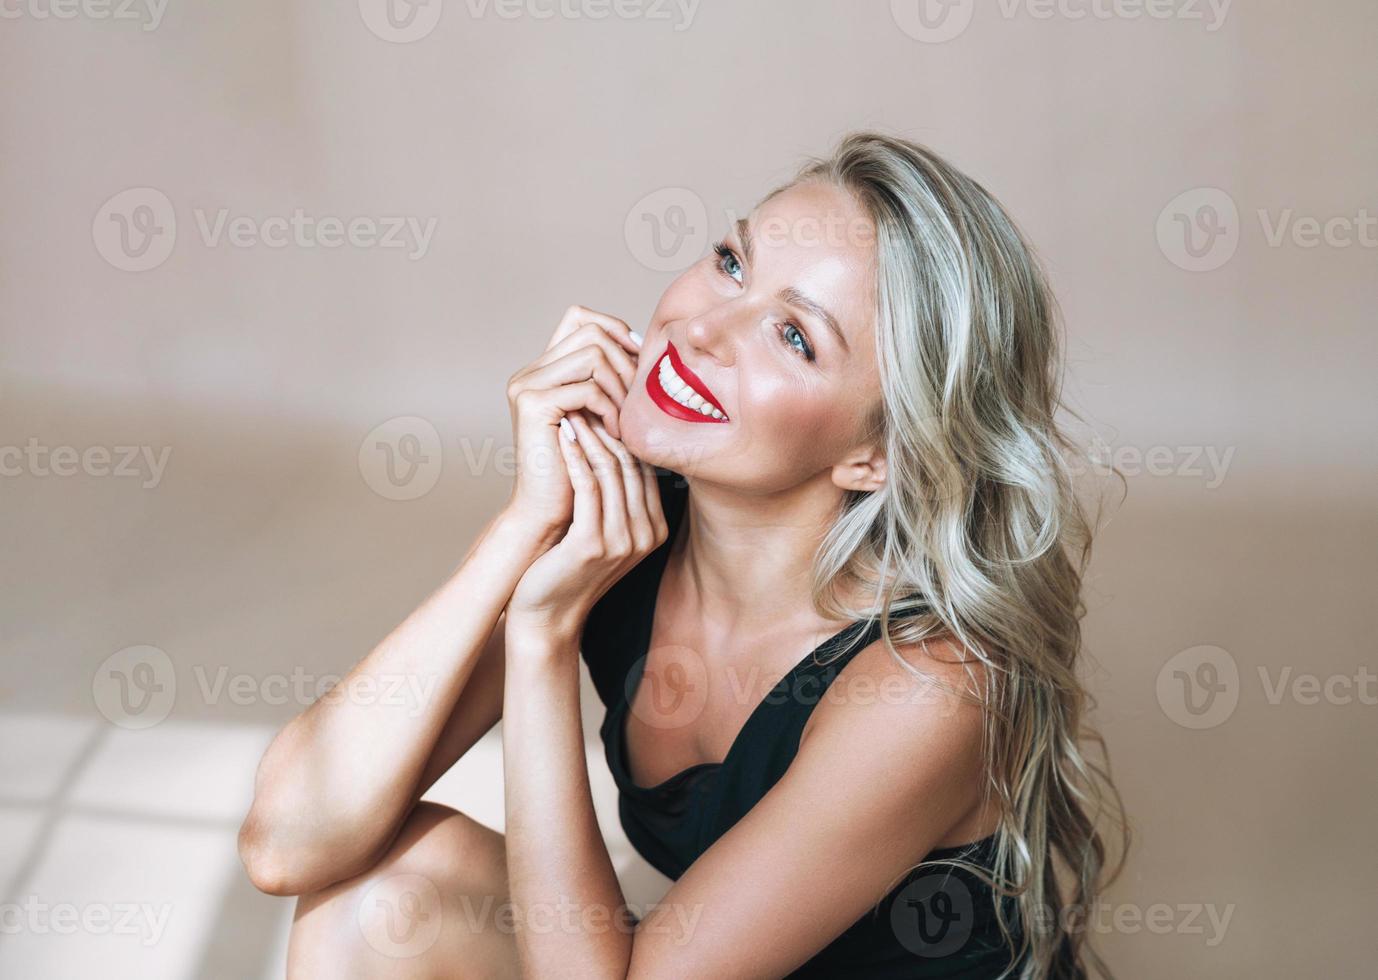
{"x":681,"y":393}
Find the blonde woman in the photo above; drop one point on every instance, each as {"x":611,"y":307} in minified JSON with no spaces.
{"x":815,"y":536}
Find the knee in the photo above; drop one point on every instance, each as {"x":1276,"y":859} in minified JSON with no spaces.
{"x":416,"y":903}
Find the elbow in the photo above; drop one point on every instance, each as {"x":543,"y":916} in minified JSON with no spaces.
{"x":269,"y":868}
{"x":278,"y":861}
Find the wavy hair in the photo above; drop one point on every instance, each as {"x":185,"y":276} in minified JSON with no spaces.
{"x":978,"y":533}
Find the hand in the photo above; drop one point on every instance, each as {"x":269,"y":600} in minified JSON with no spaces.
{"x":618,"y":520}
{"x":590,"y":364}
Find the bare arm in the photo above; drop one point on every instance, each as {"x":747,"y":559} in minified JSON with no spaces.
{"x":337,"y":782}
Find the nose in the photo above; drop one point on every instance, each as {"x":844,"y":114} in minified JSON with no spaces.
{"x":712,"y":333}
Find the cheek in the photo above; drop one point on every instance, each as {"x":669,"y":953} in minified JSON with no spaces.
{"x":786,"y":417}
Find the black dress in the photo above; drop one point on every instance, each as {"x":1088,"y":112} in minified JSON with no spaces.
{"x":937,"y":922}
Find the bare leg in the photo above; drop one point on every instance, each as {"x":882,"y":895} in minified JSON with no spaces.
{"x":436,"y":905}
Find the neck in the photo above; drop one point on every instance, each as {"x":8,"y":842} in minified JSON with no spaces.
{"x":746,"y":559}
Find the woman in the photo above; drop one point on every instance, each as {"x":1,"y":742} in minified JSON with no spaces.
{"x":836,"y":442}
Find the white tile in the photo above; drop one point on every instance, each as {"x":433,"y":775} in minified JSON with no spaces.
{"x":39,"y":751}
{"x":19,"y":828}
{"x":155,"y":887}
{"x":181,"y":769}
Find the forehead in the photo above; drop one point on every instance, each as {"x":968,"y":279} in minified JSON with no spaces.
{"x":818,"y":238}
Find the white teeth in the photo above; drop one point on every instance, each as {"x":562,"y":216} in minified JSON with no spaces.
{"x":678,"y":389}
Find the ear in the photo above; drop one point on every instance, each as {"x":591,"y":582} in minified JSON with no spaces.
{"x":863,"y":469}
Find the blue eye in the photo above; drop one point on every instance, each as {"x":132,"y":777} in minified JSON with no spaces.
{"x":729,"y":265}
{"x":725,"y":256}
{"x":804,"y":349}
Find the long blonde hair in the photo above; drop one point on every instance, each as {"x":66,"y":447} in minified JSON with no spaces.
{"x":978,"y":526}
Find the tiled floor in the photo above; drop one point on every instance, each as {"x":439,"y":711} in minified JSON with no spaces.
{"x":117,"y":847}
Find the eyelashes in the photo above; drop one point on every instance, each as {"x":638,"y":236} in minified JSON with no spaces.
{"x":726,"y":254}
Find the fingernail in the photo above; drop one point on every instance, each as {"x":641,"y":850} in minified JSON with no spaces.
{"x":568,"y":430}
{"x":636,"y":338}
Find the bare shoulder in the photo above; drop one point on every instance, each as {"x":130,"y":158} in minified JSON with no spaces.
{"x":929,"y":698}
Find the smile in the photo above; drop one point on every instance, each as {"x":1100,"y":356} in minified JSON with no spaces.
{"x":679,"y":392}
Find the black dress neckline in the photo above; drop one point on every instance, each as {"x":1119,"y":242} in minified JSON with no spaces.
{"x":674,"y":791}
{"x":643,"y":646}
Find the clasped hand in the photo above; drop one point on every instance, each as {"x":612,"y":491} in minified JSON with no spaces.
{"x":617,"y":521}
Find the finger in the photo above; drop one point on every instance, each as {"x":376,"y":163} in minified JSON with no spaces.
{"x":634,"y":490}
{"x":549,"y":404}
{"x":586,"y":494}
{"x":580,"y":364}
{"x":576,"y":315}
{"x":654,"y":508}
{"x":596,"y":336}
{"x":617,"y":536}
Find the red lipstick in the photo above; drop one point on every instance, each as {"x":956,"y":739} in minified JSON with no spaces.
{"x":669,"y":367}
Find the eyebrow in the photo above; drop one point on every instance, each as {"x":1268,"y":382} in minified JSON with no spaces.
{"x":791,"y":295}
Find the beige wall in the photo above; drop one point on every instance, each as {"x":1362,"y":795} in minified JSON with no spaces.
{"x":529,"y":146}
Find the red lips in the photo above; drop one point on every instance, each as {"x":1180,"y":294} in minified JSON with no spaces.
{"x":671,"y":407}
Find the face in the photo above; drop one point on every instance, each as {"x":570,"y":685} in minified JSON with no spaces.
{"x":773,"y":333}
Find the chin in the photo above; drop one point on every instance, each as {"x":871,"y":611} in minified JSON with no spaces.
{"x":663,"y":442}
